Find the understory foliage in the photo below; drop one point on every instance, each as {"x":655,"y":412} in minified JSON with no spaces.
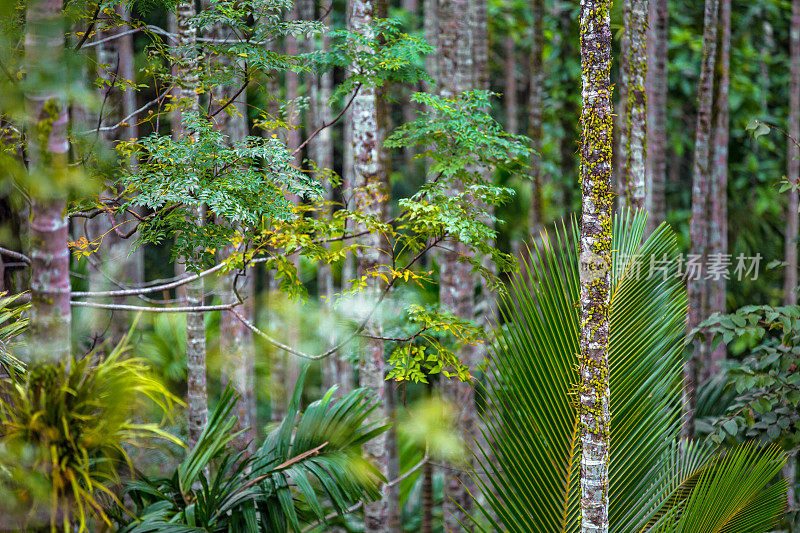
{"x":656,"y":482}
{"x":311,"y":461}
{"x":65,"y":430}
{"x":762,"y":389}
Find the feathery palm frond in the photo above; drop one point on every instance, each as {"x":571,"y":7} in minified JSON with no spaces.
{"x":534,"y":456}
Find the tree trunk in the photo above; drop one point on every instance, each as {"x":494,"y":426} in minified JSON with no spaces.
{"x":698,"y":230}
{"x":456,"y":285}
{"x":369,"y":195}
{"x":655,"y":189}
{"x":134,"y":263}
{"x":790,"y":473}
{"x":236,"y":339}
{"x":621,"y":122}
{"x":633,"y":171}
{"x":792,"y":161}
{"x":510,"y":93}
{"x":292,"y":92}
{"x":595,"y":243}
{"x":323,"y":157}
{"x":48,"y":150}
{"x":718,"y":232}
{"x":536,"y":113}
{"x":197,"y":395}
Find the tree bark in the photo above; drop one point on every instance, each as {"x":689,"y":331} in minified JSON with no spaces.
{"x":369,"y":195}
{"x":718,"y":232}
{"x":48,"y":150}
{"x":792,"y":161}
{"x":698,"y":229}
{"x":621,"y":122}
{"x":456,"y":284}
{"x":655,"y":189}
{"x":635,"y":151}
{"x":197,"y":395}
{"x":510,"y":93}
{"x":536,"y":114}
{"x":595,"y":261}
{"x":236,"y":339}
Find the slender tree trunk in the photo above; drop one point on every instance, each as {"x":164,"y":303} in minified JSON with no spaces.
{"x":790,"y":473}
{"x":718,"y":234}
{"x":292,"y":92}
{"x":597,"y":201}
{"x":427,"y":498}
{"x":236,"y":339}
{"x":536,"y":115}
{"x":197,"y":395}
{"x":510,"y":94}
{"x":134,"y":264}
{"x":103,"y":263}
{"x":657,"y":110}
{"x":48,"y":150}
{"x":701,"y":177}
{"x":369,"y":195}
{"x":323,"y":156}
{"x":621,"y":122}
{"x":633,"y":171}
{"x":456,"y":285}
{"x":793,"y":163}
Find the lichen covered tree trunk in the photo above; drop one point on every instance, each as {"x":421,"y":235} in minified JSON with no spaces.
{"x":635,"y":136}
{"x":370,"y":194}
{"x":698,"y":229}
{"x":657,"y":114}
{"x":196,"y":393}
{"x":793,"y":163}
{"x":595,"y":262}
{"x":718,"y":231}
{"x":48,"y":150}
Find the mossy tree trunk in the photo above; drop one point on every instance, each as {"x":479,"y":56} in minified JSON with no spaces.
{"x":635,"y":135}
{"x":595,"y":261}
{"x":48,"y":150}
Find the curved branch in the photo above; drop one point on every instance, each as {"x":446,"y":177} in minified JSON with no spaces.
{"x":16,"y":255}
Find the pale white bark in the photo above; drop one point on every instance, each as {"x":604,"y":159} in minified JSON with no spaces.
{"x":369,"y":196}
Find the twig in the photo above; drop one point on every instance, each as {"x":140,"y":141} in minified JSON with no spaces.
{"x":146,"y":309}
{"x":90,"y":28}
{"x":124,"y":120}
{"x":146,"y":290}
{"x":16,"y":255}
{"x":328,"y":124}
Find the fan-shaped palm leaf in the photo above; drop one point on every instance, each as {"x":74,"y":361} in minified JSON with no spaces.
{"x":533,"y":463}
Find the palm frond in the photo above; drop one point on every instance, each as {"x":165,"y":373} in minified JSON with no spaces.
{"x":310,"y":462}
{"x":532,"y":427}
